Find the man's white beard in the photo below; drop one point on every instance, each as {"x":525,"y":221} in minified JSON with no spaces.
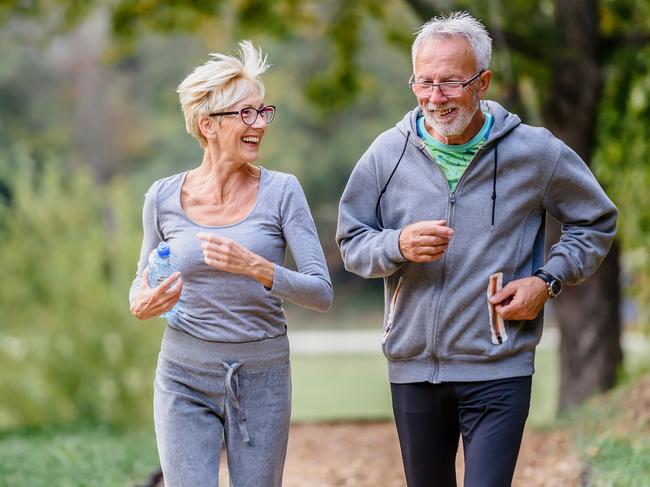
{"x":460,"y":122}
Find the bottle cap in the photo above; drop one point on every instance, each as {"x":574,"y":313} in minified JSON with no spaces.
{"x":163,"y":250}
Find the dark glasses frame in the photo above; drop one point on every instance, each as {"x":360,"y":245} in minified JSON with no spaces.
{"x":258,"y":111}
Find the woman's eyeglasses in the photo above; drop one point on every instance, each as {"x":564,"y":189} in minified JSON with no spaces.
{"x":249,"y":115}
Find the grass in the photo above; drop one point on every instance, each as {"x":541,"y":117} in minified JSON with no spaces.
{"x":618,"y":462}
{"x":612,"y":433}
{"x":340,"y":386}
{"x":79,"y":457}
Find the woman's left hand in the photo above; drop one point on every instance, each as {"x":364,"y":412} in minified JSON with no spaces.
{"x":229,"y":256}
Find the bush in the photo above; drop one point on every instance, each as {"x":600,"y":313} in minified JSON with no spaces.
{"x":69,"y":348}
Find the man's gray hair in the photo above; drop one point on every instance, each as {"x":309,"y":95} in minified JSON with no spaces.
{"x":459,"y":24}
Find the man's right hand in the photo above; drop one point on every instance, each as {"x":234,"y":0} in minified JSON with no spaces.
{"x":425,"y":241}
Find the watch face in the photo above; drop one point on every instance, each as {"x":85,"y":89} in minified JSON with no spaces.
{"x":555,"y":287}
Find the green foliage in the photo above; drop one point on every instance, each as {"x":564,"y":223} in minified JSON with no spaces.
{"x":69,"y":347}
{"x":621,"y":163}
{"x":60,"y":14}
{"x":340,"y":85}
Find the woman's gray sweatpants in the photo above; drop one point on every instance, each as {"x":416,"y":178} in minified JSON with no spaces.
{"x":208,"y":391}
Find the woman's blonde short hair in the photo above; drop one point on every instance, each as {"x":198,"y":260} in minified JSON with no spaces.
{"x":219,"y":84}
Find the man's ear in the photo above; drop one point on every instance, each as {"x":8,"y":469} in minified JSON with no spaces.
{"x":485,"y":78}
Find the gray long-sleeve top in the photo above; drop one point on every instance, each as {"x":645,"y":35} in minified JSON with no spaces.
{"x":224,"y":307}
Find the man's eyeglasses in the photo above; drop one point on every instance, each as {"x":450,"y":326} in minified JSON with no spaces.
{"x":449,"y":89}
{"x":249,"y":115}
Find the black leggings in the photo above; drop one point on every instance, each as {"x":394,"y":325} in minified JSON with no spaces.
{"x":490,"y":415}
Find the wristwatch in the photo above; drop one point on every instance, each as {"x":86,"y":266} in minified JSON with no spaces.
{"x":553,"y":284}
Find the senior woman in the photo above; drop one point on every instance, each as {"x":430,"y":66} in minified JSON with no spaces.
{"x":223,"y":371}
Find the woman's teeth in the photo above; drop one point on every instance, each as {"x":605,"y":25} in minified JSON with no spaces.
{"x":251,"y":139}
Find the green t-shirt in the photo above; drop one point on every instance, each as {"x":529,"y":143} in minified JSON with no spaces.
{"x":454,"y":159}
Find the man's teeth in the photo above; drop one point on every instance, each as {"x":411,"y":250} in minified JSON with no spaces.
{"x":253,"y":140}
{"x":443,"y":111}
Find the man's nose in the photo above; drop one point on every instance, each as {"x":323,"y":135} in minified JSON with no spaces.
{"x":436,"y":96}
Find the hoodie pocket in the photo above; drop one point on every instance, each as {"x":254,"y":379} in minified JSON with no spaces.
{"x":391,"y":311}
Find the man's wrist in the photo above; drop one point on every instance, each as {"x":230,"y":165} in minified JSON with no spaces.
{"x":399,"y":243}
{"x":553,"y":284}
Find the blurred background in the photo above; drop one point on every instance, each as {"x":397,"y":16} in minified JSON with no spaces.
{"x":89,"y":118}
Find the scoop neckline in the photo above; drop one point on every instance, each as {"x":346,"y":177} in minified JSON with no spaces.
{"x":241,"y":220}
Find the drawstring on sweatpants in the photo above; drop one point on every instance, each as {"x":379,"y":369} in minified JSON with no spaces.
{"x":232,"y":395}
{"x":494,"y":184}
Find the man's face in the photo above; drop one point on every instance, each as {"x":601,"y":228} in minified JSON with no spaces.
{"x":451,"y":120}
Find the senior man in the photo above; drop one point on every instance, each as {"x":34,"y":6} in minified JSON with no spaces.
{"x":449,"y":208}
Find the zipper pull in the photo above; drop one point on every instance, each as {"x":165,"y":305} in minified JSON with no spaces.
{"x":452,"y":198}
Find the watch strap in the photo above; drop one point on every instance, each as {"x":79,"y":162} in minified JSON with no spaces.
{"x":549,"y":280}
{"x":545,"y":276}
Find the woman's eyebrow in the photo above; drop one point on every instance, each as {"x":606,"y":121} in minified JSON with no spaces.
{"x":261,"y":105}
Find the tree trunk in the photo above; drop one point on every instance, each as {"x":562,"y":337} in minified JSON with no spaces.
{"x":588,"y":315}
{"x":590,"y":330}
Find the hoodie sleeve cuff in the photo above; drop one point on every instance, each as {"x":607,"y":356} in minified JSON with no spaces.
{"x":563,"y":270}
{"x":392,"y":248}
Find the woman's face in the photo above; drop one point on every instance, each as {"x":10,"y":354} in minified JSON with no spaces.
{"x":238,"y":141}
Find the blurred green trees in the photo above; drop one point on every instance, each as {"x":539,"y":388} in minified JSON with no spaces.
{"x":89,"y":118}
{"x":71,"y":194}
{"x":622,"y":163}
{"x":69,"y":348}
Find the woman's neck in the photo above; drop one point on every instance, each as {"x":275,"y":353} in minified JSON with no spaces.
{"x":221,"y":177}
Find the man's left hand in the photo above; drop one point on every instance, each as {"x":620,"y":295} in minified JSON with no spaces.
{"x":522,"y":299}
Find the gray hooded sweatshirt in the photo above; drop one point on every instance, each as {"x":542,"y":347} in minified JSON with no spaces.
{"x":436,"y":318}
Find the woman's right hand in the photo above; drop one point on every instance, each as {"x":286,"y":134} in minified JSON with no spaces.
{"x":152,"y":302}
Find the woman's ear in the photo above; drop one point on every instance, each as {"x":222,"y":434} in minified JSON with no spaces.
{"x":207,"y":126}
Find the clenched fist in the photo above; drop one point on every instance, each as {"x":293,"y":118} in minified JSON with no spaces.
{"x":425,"y":241}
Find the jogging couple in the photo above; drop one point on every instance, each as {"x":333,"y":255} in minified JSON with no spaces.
{"x":448,"y":207}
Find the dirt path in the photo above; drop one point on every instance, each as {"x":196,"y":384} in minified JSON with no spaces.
{"x":367,"y":455}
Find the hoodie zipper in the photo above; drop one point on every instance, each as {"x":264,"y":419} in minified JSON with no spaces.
{"x":432,"y":338}
{"x":391,"y":311}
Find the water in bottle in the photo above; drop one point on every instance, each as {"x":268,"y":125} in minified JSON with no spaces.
{"x":162,"y":264}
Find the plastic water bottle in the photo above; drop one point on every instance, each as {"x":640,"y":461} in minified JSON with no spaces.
{"x":162,"y":264}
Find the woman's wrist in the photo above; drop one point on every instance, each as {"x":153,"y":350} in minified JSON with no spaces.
{"x":263,"y":271}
